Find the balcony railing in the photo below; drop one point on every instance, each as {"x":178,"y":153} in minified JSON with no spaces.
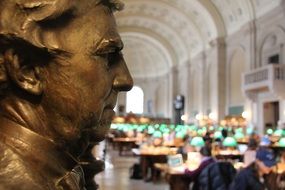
{"x":256,"y":76}
{"x":270,"y":77}
{"x":279,"y":73}
{"x":274,"y":72}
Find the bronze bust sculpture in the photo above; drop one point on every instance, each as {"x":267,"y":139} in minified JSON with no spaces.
{"x":61,"y":69}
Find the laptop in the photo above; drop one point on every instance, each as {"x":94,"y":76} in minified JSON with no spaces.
{"x":242,"y":148}
{"x":175,"y":160}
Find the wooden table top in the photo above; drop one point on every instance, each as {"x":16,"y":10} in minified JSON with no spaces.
{"x":125,"y":139}
{"x":157,"y":151}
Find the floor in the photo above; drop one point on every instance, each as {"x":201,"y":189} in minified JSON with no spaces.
{"x":116,"y":174}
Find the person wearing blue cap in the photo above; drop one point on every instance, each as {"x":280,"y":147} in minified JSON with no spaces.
{"x":265,"y":141}
{"x":254,"y":176}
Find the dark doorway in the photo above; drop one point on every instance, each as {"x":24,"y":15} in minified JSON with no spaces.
{"x":271,"y":114}
{"x":274,"y":59}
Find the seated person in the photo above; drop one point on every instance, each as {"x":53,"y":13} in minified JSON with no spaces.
{"x":265,"y":142}
{"x":250,"y":153}
{"x":141,"y":137}
{"x":224,"y":133}
{"x":254,"y":136}
{"x":187,"y":147}
{"x":205,"y":161}
{"x":151,"y":145}
{"x":252,"y":177}
{"x":282,"y":157}
{"x":208,"y":139}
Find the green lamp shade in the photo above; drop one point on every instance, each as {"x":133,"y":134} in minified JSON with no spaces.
{"x":218,"y":135}
{"x":269,"y":131}
{"x":249,"y":131}
{"x":281,"y":142}
{"x":239,"y":130}
{"x":239,"y":135}
{"x":126,"y":128}
{"x":198,"y":142}
{"x":166,"y":131}
{"x":156,"y":126}
{"x":279,"y":132}
{"x":157,"y":134}
{"x":193,"y":127}
{"x":230,"y":142}
{"x":200,"y":132}
{"x":161,"y":128}
{"x":120,"y":127}
{"x":179,"y":127}
{"x":150,"y":130}
{"x":140,"y":128}
{"x":180,"y":134}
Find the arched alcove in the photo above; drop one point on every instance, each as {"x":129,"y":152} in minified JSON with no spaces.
{"x":161,"y":100}
{"x":195,"y":91}
{"x":271,"y":49}
{"x":236,"y":68}
{"x":209,"y":87}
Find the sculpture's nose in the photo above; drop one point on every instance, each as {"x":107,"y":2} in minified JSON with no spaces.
{"x":123,"y":80}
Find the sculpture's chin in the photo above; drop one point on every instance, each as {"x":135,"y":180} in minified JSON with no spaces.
{"x":98,"y":133}
{"x":91,"y":166}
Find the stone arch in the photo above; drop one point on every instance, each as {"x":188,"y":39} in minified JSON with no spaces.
{"x":272,"y":43}
{"x":194,"y":90}
{"x":237,"y":66}
{"x":209,"y":87}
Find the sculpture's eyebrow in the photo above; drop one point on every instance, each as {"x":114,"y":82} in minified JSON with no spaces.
{"x":108,"y":46}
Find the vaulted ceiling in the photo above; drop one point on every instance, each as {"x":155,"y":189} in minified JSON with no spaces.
{"x":159,"y":34}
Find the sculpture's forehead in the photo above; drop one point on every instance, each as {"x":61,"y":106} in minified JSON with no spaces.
{"x":89,"y":29}
{"x":67,"y":23}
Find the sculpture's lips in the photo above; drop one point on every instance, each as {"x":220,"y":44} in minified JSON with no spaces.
{"x":98,"y":132}
{"x":109,"y":109}
{"x":111,"y":102}
{"x":108,"y":114}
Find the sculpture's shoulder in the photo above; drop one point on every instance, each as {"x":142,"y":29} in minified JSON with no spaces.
{"x":14,"y":173}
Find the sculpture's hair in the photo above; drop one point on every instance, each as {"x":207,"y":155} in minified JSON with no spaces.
{"x":33,"y":20}
{"x":30,"y":26}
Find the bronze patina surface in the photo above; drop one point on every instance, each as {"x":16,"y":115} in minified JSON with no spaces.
{"x":61,"y":69}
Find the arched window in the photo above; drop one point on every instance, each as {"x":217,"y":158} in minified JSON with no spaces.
{"x":135,"y":100}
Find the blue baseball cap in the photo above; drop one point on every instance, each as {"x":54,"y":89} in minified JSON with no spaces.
{"x":265,"y":141}
{"x":266,"y":156}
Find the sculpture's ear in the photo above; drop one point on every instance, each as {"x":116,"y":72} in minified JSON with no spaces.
{"x":24,"y":76}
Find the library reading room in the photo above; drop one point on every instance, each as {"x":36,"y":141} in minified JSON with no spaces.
{"x":142,"y":94}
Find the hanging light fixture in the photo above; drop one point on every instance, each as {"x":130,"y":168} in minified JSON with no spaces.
{"x":197,"y":142}
{"x":230,"y":142}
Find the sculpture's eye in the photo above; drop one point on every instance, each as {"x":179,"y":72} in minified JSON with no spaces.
{"x":114,"y":57}
{"x":108,"y":59}
{"x":109,"y":56}
{"x":102,"y":58}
